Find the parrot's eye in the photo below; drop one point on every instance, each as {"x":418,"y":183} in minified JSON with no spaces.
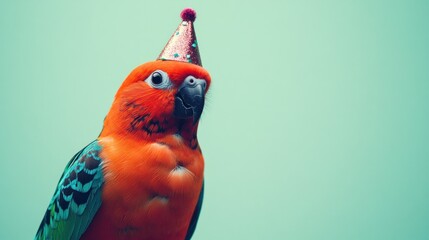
{"x":156,"y":78}
{"x":159,"y":79}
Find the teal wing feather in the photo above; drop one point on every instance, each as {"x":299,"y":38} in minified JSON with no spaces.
{"x":77,"y":197}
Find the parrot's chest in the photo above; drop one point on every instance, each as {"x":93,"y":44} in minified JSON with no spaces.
{"x":150,"y":189}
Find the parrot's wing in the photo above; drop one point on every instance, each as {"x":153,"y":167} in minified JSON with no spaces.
{"x":77,"y":197}
{"x":195,"y":215}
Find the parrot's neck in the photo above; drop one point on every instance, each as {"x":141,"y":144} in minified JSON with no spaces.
{"x":145,"y":128}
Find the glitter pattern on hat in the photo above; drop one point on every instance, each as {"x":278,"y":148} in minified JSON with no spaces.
{"x":183,"y":45}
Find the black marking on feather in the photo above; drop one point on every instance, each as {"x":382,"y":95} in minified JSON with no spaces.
{"x":63,"y":203}
{"x":57,"y":207}
{"x":72,"y":176}
{"x":85,"y":177}
{"x":128,"y":106}
{"x":138,"y":121}
{"x":73,"y":187}
{"x":91,"y":163}
{"x":194,"y":141}
{"x":81,"y":197}
{"x":131,"y":105}
{"x":153,"y":126}
{"x":66,"y":182}
{"x":47,"y":217}
{"x":67,"y":191}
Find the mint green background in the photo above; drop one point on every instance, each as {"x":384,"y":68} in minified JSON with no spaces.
{"x":316,"y":126}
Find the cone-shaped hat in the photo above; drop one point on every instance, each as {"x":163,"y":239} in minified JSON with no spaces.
{"x":183,"y":45}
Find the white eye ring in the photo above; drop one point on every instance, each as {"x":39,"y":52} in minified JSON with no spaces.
{"x":159,"y":80}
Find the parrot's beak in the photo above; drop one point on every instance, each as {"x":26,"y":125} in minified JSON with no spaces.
{"x":189,"y":100}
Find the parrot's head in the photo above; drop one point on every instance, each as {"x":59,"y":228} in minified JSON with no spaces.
{"x":159,"y":97}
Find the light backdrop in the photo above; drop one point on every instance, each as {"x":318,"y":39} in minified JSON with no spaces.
{"x":316,"y":126}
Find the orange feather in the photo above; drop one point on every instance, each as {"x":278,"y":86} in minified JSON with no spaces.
{"x":153,"y":177}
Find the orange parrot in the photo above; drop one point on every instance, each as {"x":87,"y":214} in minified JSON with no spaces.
{"x":143,"y":176}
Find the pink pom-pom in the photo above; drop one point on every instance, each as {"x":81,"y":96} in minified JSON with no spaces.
{"x":188,"y":14}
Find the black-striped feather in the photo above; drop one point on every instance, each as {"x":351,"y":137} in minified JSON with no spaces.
{"x":77,"y":197}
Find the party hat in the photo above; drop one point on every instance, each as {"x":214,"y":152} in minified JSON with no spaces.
{"x":183,"y":45}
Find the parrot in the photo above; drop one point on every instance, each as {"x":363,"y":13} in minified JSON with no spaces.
{"x":143,"y":176}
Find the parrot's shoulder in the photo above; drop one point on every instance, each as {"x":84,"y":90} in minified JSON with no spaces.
{"x":77,"y":196}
